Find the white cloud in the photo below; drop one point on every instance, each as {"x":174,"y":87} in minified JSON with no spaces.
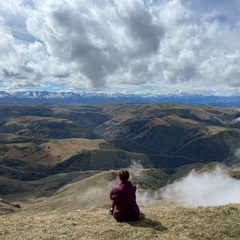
{"x":204,"y":189}
{"x":107,"y":43}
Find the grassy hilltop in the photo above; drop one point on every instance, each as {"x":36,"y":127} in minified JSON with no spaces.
{"x":161,"y":221}
{"x":79,"y":210}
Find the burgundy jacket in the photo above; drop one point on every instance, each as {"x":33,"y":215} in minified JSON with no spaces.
{"x":124,"y":204}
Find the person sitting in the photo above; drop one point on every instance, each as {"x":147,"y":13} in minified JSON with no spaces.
{"x":124,"y":206}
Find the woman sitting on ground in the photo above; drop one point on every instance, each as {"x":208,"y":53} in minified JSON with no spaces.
{"x":123,"y":196}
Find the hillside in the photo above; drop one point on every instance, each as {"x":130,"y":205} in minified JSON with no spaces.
{"x":89,"y":189}
{"x":40,"y":140}
{"x":79,"y":189}
{"x":58,"y":164}
{"x":159,"y":221}
{"x":79,"y":210}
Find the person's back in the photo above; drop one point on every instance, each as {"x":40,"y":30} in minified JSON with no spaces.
{"x":123,"y":198}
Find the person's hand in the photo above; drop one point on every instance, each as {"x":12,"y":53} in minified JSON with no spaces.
{"x":110,"y":211}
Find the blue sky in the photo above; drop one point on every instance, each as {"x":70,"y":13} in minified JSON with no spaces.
{"x":120,"y":46}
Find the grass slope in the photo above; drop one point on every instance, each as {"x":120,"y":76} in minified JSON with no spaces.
{"x":162,"y":221}
{"x":89,"y":190}
{"x":27,"y":191}
{"x":78,"y":210}
{"x":46,"y":152}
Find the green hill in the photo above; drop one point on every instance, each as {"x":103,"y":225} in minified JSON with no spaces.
{"x":42,"y":140}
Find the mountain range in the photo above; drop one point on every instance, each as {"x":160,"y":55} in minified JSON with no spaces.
{"x":35,"y":97}
{"x":41,"y":140}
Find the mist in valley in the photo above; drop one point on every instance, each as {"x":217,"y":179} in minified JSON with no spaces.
{"x":209,"y":188}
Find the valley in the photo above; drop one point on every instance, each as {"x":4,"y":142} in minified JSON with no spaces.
{"x":59,"y":162}
{"x":40,"y":140}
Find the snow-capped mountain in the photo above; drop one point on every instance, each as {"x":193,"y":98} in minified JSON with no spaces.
{"x":4,"y":94}
{"x":37,"y":97}
{"x":43,"y":94}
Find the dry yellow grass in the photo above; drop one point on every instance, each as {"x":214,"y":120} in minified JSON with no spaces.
{"x":50,"y":152}
{"x":79,"y":211}
{"x":64,"y":148}
{"x":163,"y":221}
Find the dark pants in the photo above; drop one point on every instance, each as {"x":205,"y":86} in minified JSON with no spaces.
{"x":129,"y":217}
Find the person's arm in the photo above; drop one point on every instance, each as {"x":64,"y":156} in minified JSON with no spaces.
{"x":113,"y":203}
{"x":112,"y":196}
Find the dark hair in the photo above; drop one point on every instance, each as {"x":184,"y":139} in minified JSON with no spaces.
{"x":123,"y":175}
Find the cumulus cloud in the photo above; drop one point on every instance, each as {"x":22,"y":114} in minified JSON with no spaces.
{"x":204,"y":189}
{"x":105,"y":44}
